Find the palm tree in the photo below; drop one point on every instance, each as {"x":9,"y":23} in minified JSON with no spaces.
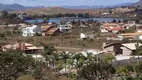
{"x":49,"y":53}
{"x":90,"y":57}
{"x":80,"y":60}
{"x":70,"y":61}
{"x":64,"y":56}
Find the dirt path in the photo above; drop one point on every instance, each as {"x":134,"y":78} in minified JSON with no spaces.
{"x":70,"y":49}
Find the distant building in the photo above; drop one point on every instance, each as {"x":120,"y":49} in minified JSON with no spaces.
{"x":113,"y":48}
{"x":125,"y":49}
{"x":111,"y":27}
{"x":65,"y":28}
{"x":26,"y":47}
{"x":31,"y":30}
{"x":129,"y":48}
{"x":139,"y":28}
{"x":131,"y":23}
{"x":49,"y":30}
{"x":136,"y":36}
{"x":23,"y":17}
{"x":106,"y":13}
{"x":85,"y":36}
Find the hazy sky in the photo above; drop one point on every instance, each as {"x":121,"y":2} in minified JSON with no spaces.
{"x":66,"y":2}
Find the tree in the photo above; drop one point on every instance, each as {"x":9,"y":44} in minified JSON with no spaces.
{"x":119,"y":21}
{"x":122,"y":70}
{"x":13,"y":64}
{"x":125,"y":21}
{"x":130,"y":30}
{"x":48,"y":50}
{"x":96,"y":71}
{"x":114,"y":21}
{"x":109,"y":58}
{"x":64,"y":57}
{"x":42,"y":72}
{"x":138,"y":50}
{"x":80,"y":59}
{"x":4,"y":14}
{"x":90,"y":58}
{"x":12,"y":15}
{"x":110,"y":11}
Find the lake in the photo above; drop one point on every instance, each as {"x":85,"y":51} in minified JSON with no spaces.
{"x":57,"y":20}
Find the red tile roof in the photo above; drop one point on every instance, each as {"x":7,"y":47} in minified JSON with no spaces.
{"x":114,"y":28}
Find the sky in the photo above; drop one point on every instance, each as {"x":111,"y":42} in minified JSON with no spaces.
{"x":66,"y":2}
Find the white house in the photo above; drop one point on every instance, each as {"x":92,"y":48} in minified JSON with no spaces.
{"x":103,"y":30}
{"x":106,"y":13}
{"x":65,"y":28}
{"x":84,"y":36}
{"x":31,"y":30}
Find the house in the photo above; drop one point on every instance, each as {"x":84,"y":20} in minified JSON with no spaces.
{"x":124,"y":26}
{"x":65,"y":28}
{"x":85,"y":36}
{"x":22,"y":25}
{"x":114,"y":48}
{"x":31,"y":30}
{"x":45,"y":28}
{"x":131,"y":23}
{"x":103,"y":30}
{"x":25,"y":47}
{"x":111,"y":27}
{"x":49,"y":30}
{"x":23,"y":17}
{"x":52,"y":31}
{"x":139,"y":28}
{"x":106,"y":13}
{"x":137,"y":35}
{"x":125,"y":49}
{"x":129,"y":48}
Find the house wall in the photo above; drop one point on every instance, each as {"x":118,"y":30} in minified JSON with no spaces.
{"x":139,"y":30}
{"x":65,"y":28}
{"x":115,"y":31}
{"x":140,"y":37}
{"x":110,"y":48}
{"x":115,"y":48}
{"x":126,"y":52}
{"x":83,"y":36}
{"x":103,"y":30}
{"x":30,"y":31}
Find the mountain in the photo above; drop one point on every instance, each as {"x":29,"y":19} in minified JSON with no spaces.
{"x":57,"y":10}
{"x":11,"y":7}
{"x":97,"y":7}
{"x":84,"y":7}
{"x":124,"y":4}
{"x":138,"y":4}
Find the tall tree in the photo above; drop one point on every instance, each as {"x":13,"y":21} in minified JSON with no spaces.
{"x":96,"y":71}
{"x":13,"y":64}
{"x":80,"y":60}
{"x":5,"y":14}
